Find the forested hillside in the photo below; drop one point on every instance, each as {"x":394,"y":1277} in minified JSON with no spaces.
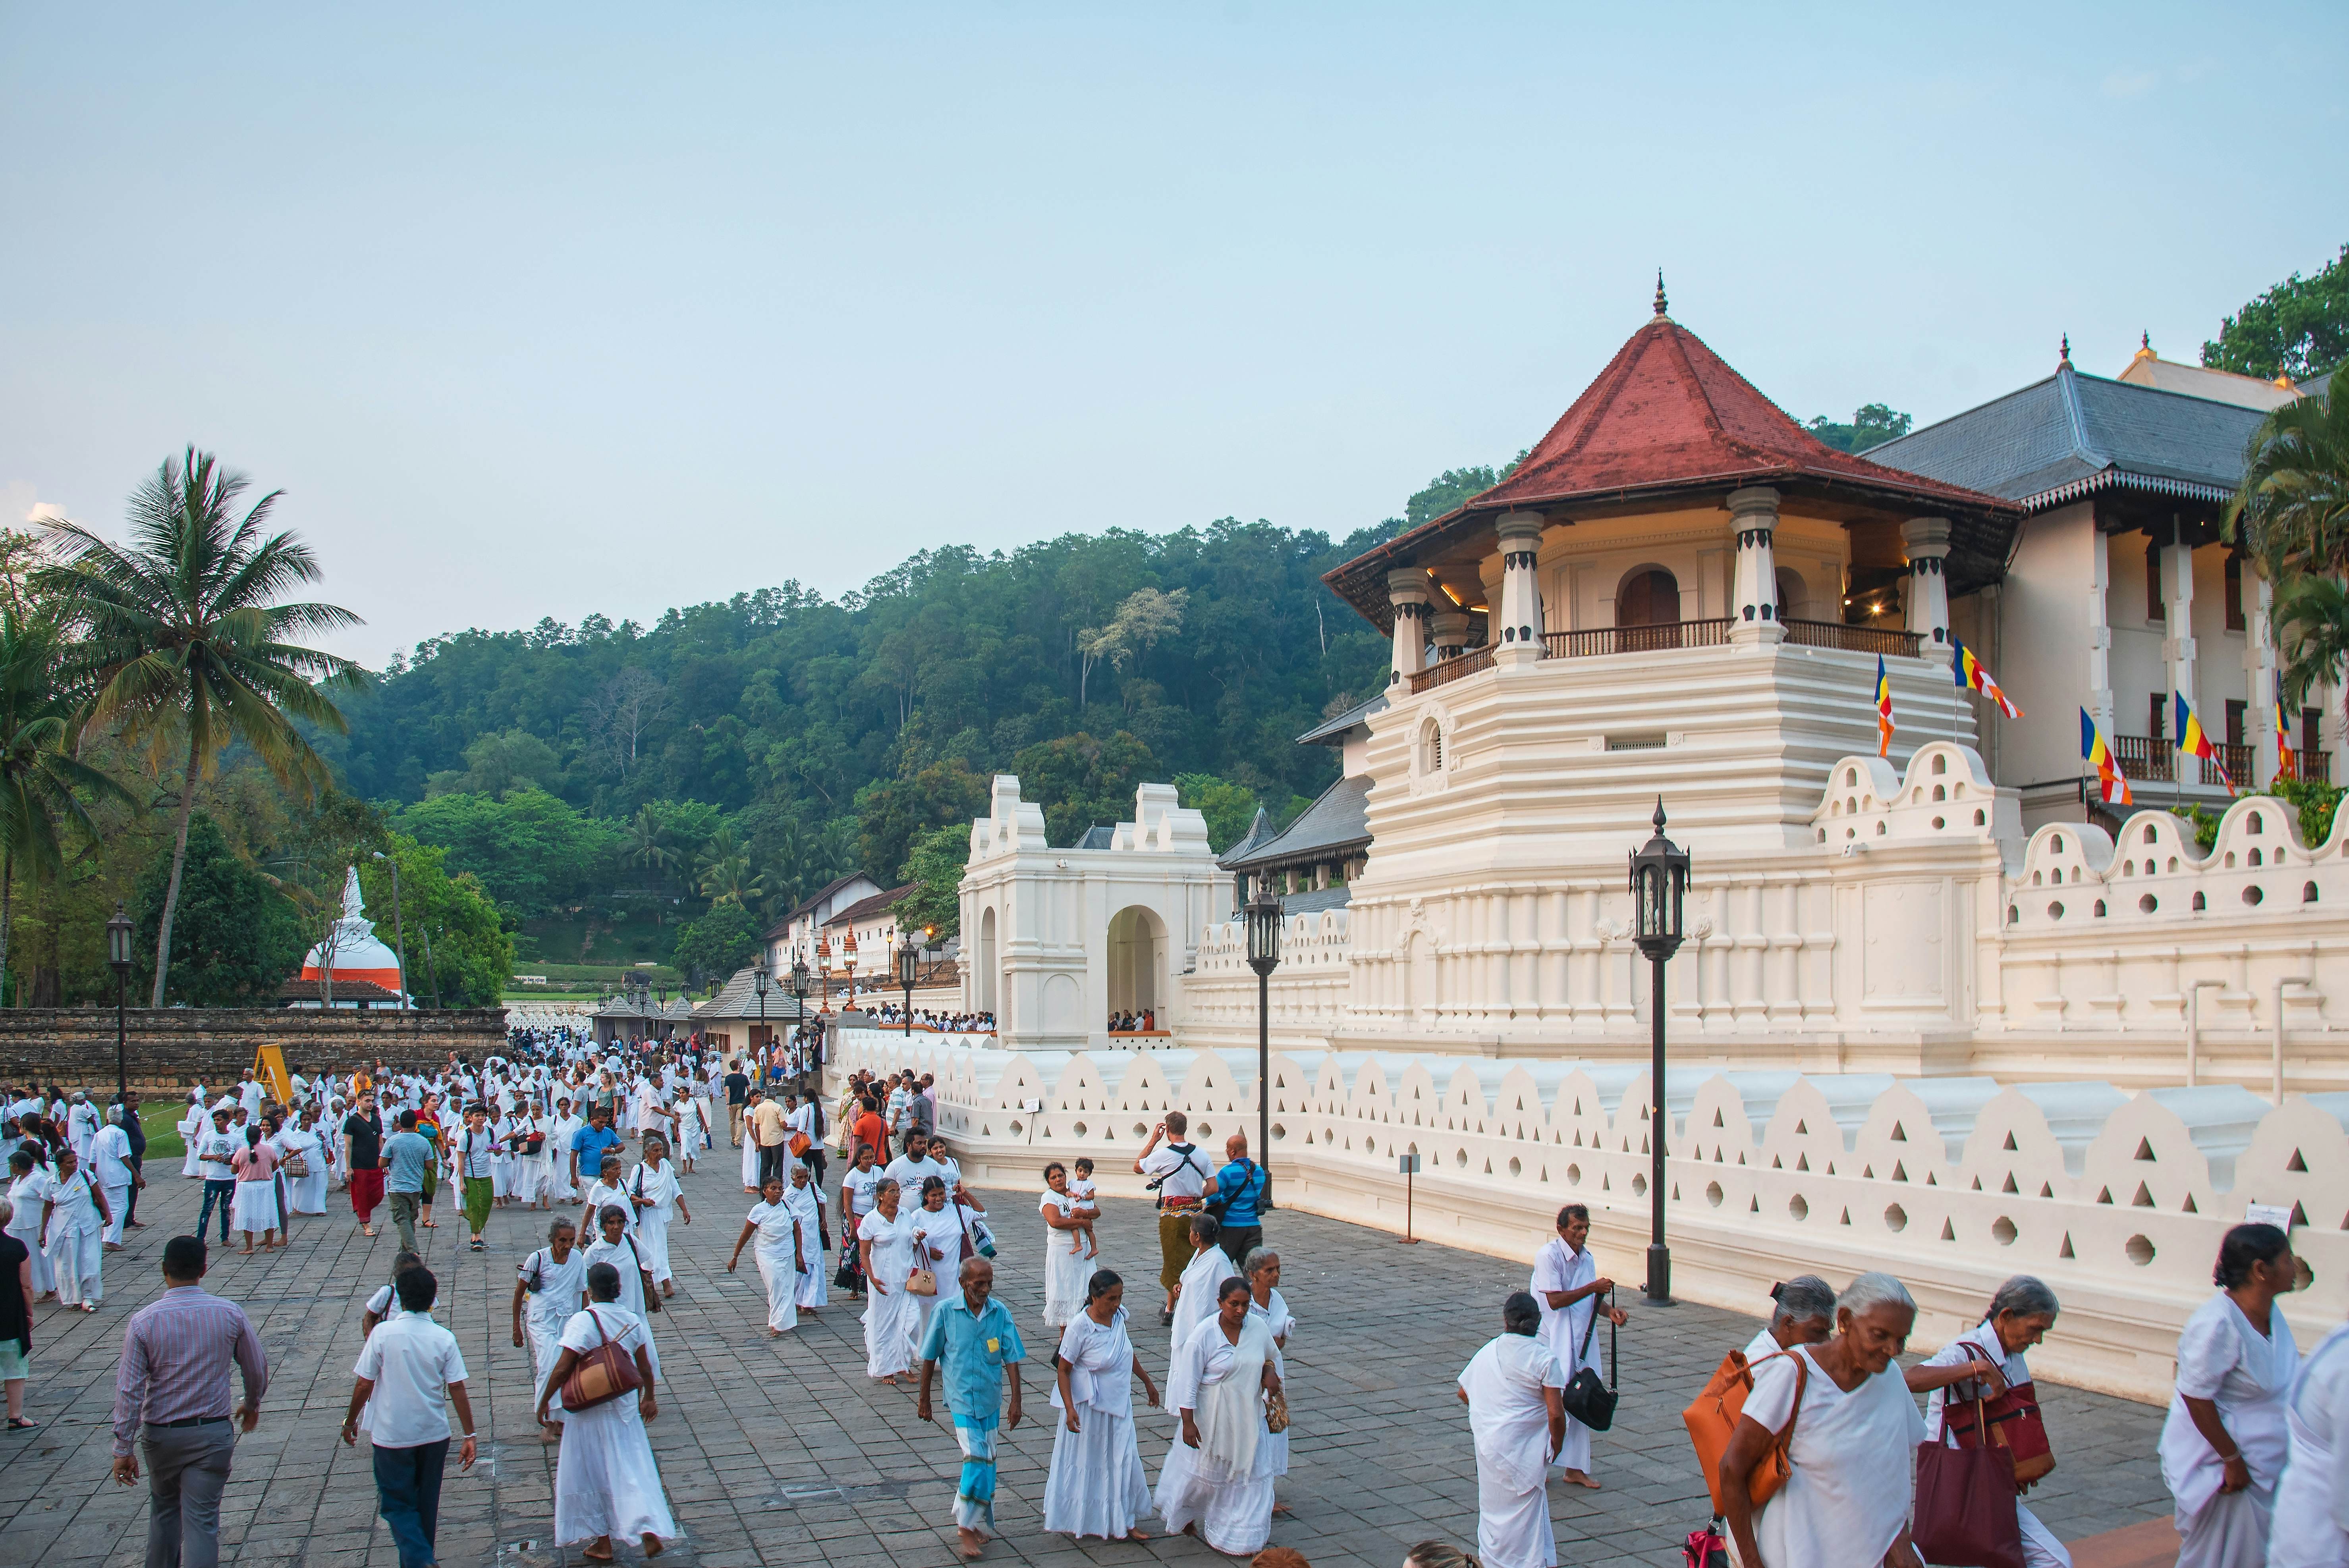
{"x":607,"y":781}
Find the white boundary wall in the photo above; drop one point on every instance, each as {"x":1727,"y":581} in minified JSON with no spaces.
{"x":2118,"y":1201}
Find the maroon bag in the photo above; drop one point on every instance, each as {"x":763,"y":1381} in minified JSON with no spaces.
{"x":1965,"y":1506}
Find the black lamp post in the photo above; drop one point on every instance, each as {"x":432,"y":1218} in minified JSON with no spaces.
{"x":799,"y":982}
{"x":761,"y":978}
{"x":117,"y":954}
{"x":909,"y":958}
{"x":1660,"y":875}
{"x":1264,"y":922}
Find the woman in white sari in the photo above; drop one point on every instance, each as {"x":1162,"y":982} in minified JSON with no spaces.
{"x":1066,"y":1268}
{"x":805,"y":1200}
{"x":191,"y":1125}
{"x":1097,"y":1486}
{"x":884,"y":1242}
{"x":656,"y":1194}
{"x":606,"y":1480}
{"x":549,"y":1289}
{"x":2223,"y":1444}
{"x":1261,"y":1269}
{"x":306,"y":1193}
{"x":1216,"y":1482}
{"x":619,"y":1249}
{"x":2312,"y":1500}
{"x":780,"y":1254}
{"x":1845,"y":1503}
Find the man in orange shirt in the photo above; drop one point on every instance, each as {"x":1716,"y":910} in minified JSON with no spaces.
{"x":870,"y":1129}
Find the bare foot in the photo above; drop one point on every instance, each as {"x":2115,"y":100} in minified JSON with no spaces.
{"x":1577,"y":1478}
{"x":1280,"y":1508}
{"x":774,"y":1334}
{"x":972,"y":1543}
{"x":590,"y":1552}
{"x":550,"y":1434}
{"x":652,"y":1544}
{"x":1136,"y":1535}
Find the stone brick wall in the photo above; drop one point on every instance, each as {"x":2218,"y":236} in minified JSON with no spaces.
{"x":170,"y":1048}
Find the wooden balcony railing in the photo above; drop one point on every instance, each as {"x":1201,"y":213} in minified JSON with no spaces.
{"x":1451,"y":669}
{"x":1852,"y":639}
{"x":2315,"y":767}
{"x":2154,"y":759}
{"x":1635,"y":639}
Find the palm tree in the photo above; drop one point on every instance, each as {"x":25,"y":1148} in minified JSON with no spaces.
{"x":723,"y":872}
{"x":2293,"y":507}
{"x":2312,"y":621}
{"x":38,"y":776}
{"x":646,"y":841}
{"x":186,"y":646}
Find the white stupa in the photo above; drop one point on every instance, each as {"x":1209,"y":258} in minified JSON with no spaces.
{"x":352,"y":948}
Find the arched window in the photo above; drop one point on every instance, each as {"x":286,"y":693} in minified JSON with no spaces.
{"x":1648,"y":609}
{"x":1431,"y":747}
{"x":1793,"y":597}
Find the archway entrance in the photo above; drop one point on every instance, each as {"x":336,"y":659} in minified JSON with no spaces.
{"x":986,"y":972}
{"x":1137,"y":963}
{"x":1648,"y":610}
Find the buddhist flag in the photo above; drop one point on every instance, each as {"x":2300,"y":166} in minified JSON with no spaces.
{"x":2110,"y":784}
{"x":1884,"y":725}
{"x":2194,"y":743}
{"x":2287,"y":759}
{"x":1973,"y":676}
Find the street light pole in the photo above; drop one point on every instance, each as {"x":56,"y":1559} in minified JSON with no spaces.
{"x":117,"y":954}
{"x":1660,"y":876}
{"x":399,"y":934}
{"x":761,"y":978}
{"x":908,"y":961}
{"x":798,"y":979}
{"x":1264,"y":922}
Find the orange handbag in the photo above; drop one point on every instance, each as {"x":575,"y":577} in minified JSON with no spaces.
{"x":1712,"y":1419}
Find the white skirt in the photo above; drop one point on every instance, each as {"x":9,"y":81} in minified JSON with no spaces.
{"x":889,"y":1324}
{"x":44,"y":1273}
{"x":782,"y":1303}
{"x":1097,"y":1486}
{"x":188,"y":1166}
{"x":749,"y":1163}
{"x":1065,"y":1277}
{"x":652,"y":1240}
{"x":256,"y":1207}
{"x":1233,"y":1517}
{"x":546,"y":1350}
{"x":814,"y":1287}
{"x":308,"y":1194}
{"x":606,"y":1482}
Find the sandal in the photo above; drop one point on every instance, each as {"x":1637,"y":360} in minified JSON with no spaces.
{"x":18,"y":1424}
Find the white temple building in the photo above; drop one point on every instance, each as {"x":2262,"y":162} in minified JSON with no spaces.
{"x":1943,"y":1010}
{"x":350,"y":966}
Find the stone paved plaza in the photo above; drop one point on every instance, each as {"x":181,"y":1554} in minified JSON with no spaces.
{"x":781,"y":1452}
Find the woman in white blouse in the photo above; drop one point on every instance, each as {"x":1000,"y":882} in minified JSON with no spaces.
{"x":1845,"y":1503}
{"x":885,"y":1245}
{"x":1097,"y":1486}
{"x":1985,"y":1362}
{"x":655,"y":1193}
{"x":1216,"y":1482}
{"x":1266,"y":1303}
{"x":1065,"y":1270}
{"x":780,"y":1254}
{"x":2223,"y":1444}
{"x":306,"y":1193}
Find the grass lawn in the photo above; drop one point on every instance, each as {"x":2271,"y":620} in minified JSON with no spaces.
{"x":160,"y":1118}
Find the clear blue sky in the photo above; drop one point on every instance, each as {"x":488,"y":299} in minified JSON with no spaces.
{"x":539,"y":311}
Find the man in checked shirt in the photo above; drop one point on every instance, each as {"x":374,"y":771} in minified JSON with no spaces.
{"x":173,"y":1397}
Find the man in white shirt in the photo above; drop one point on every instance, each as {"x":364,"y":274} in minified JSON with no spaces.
{"x":81,"y":1124}
{"x":248,"y":1095}
{"x":1179,"y":1172}
{"x":411,"y":1371}
{"x":109,"y":1162}
{"x":912,"y":1167}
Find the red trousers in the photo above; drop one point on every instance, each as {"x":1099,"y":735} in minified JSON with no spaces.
{"x":366,"y":1191}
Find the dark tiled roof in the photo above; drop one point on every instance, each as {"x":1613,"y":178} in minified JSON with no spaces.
{"x":739,"y":998}
{"x":2063,"y":437}
{"x":1259,"y":831}
{"x":816,"y":898}
{"x":1668,"y":419}
{"x":1100,"y":836}
{"x":866,"y":908}
{"x":366,"y":991}
{"x":1333,"y":731}
{"x":1337,"y":822}
{"x":1312,"y":901}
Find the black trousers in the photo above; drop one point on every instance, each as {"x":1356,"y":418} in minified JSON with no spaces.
{"x":771,"y":1164}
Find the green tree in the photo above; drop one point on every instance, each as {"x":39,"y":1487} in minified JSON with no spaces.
{"x":2291,"y":508}
{"x":2299,"y":328}
{"x":934,"y":865}
{"x":1871,"y":426}
{"x":239,"y":938}
{"x":1229,"y":808}
{"x":716,"y":944}
{"x":531,"y":852}
{"x":40,"y":782}
{"x":891,"y":813}
{"x":509,"y":760}
{"x":1080,"y":781}
{"x":646,"y":841}
{"x":458,"y":951}
{"x":186,"y":645}
{"x":1143,"y":619}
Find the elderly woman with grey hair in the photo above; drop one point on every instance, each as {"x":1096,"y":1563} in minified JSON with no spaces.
{"x":1845,"y":1503}
{"x":1515,"y":1393}
{"x":1802,"y":1313}
{"x":1261,"y":1269}
{"x":1985,"y":1361}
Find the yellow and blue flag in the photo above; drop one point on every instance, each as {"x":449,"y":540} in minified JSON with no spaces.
{"x":2111,"y":785}
{"x":1973,"y":675}
{"x":1884,"y":726}
{"x":2192,"y":741}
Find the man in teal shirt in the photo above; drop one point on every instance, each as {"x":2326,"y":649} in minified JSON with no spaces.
{"x":973,"y":1337}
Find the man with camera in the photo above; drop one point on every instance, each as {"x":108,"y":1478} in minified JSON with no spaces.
{"x":1178,"y":1174}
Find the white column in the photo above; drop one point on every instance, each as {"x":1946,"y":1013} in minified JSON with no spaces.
{"x":1450,"y":632}
{"x":2100,"y":631}
{"x":1515,"y":632}
{"x":2259,"y":673}
{"x":1754,"y":612}
{"x":2177,"y":647}
{"x":1927,"y":540}
{"x":1407,"y":591}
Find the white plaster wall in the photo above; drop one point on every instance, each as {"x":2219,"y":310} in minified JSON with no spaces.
{"x":2045,"y":634}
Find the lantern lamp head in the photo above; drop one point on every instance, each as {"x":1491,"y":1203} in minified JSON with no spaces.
{"x":762,"y":978}
{"x":1264,"y":922}
{"x":1660,"y":876}
{"x":118,"y":939}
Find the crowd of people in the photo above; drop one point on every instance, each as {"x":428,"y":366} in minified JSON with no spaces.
{"x":592,"y":1139}
{"x":892,"y":1014}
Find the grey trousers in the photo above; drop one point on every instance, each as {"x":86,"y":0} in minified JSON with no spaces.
{"x":187,"y":1467}
{"x":405,"y":1207}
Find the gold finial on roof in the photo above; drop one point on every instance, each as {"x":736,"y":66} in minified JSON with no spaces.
{"x":1660,"y":291}
{"x":2064,"y":356}
{"x":2285,"y":381}
{"x":2144,"y":347}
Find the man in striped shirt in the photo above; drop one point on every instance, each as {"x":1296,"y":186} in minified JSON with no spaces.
{"x":173,"y":1397}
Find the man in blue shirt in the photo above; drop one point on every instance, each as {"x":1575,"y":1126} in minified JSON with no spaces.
{"x":1238,"y":1201}
{"x":590,"y":1143}
{"x":972,"y":1336}
{"x":407,"y":1155}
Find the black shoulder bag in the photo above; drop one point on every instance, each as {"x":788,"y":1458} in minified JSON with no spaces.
{"x":1585,"y":1398}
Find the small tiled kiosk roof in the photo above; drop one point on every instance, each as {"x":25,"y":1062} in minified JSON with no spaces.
{"x":1668,"y":421}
